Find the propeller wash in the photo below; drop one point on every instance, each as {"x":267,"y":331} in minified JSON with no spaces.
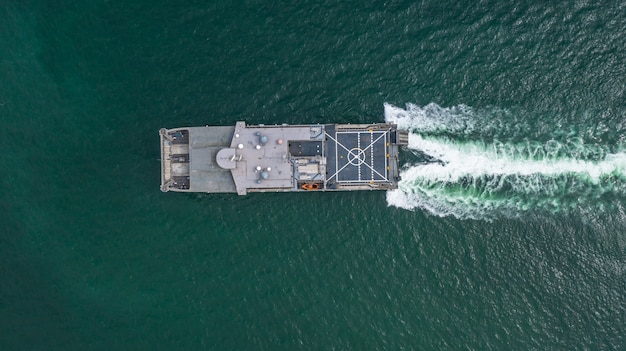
{"x":481,"y":164}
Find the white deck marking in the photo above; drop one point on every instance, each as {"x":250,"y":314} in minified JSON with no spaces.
{"x":372,"y":157}
{"x":359,"y":157}
{"x":358,"y":146}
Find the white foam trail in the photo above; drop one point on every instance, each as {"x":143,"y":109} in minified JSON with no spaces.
{"x":476,"y":159}
{"x":431,"y":118}
{"x":476,"y":179}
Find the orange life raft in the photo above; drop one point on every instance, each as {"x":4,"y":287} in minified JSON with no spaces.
{"x":310,"y":186}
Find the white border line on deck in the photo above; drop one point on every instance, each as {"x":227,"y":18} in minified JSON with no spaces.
{"x":371,"y":145}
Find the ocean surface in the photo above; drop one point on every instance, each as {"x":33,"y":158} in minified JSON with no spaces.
{"x":508,"y":230}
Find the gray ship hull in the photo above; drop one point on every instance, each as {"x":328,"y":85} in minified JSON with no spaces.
{"x":280,"y":158}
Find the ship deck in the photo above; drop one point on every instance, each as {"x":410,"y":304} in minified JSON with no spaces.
{"x":356,"y":157}
{"x":261,"y":158}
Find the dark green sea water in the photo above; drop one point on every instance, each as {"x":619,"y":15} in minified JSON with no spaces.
{"x":515,"y":240}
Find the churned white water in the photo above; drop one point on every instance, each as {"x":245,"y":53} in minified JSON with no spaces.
{"x":480,"y":178}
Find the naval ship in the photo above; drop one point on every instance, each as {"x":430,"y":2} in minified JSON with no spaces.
{"x":280,"y":158}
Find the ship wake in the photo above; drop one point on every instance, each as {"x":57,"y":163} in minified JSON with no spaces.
{"x":488,"y":166}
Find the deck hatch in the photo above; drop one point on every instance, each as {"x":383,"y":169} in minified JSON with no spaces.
{"x":305,"y":148}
